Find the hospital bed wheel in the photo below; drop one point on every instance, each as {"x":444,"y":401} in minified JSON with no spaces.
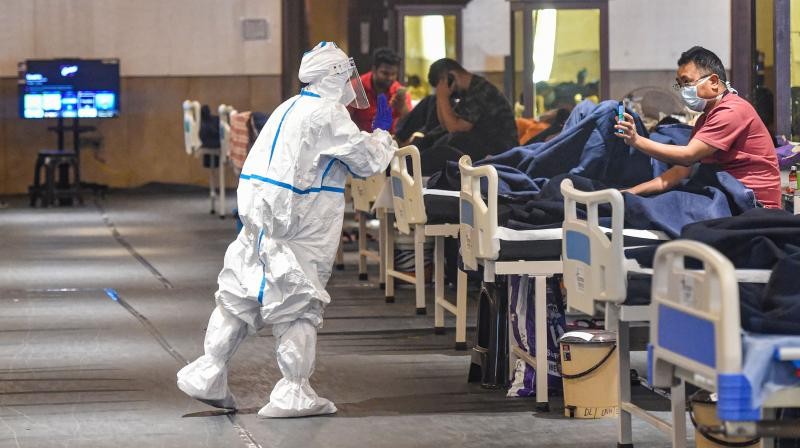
{"x":461,"y":346}
{"x":221,"y":216}
{"x":390,"y":299}
{"x":542,"y":407}
{"x":340,"y":267}
{"x":421,"y":311}
{"x":382,"y":285}
{"x":363,"y":277}
{"x":438,"y":330}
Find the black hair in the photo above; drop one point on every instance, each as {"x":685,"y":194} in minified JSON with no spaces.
{"x":386,"y":56}
{"x":440,"y":67}
{"x":704,"y":60}
{"x":414,"y":81}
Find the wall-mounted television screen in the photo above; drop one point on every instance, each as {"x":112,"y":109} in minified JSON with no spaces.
{"x":68,"y":88}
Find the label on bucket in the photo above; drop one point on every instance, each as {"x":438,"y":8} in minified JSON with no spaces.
{"x":603,"y":412}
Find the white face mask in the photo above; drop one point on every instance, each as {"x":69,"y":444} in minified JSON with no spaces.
{"x":690,"y":98}
{"x":694,"y":102}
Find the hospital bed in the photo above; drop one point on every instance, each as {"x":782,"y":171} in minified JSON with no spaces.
{"x":597,"y":275}
{"x":365,"y":192}
{"x":504,"y":251}
{"x":193,"y":146}
{"x":695,"y":336}
{"x":424,"y":212}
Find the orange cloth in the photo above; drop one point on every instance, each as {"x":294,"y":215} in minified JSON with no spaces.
{"x":240,"y":139}
{"x":528,"y":128}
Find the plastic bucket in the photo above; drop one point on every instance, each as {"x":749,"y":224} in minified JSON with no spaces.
{"x":590,"y":372}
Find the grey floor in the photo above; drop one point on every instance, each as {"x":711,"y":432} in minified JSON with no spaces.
{"x":100,"y":305}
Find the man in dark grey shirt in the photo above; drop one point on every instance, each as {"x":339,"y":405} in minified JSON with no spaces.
{"x":473,"y":116}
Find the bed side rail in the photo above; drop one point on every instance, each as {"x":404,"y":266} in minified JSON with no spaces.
{"x":409,"y":207}
{"x":478,"y":218}
{"x":225,"y":113}
{"x":366,"y":191}
{"x":191,"y":126}
{"x":593,"y":262}
{"x":695,"y":327}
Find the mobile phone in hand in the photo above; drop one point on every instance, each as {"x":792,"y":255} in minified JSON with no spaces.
{"x":620,"y":115}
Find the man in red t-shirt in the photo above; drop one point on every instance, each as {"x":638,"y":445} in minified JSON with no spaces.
{"x":382,"y":79}
{"x":729,"y":133}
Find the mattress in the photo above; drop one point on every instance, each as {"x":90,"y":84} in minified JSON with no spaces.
{"x":545,"y":244}
{"x":441,"y":206}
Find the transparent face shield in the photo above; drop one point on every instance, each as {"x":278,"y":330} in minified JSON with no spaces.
{"x":354,"y":94}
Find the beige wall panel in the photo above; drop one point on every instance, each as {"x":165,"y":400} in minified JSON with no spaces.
{"x":150,"y":37}
{"x":262,"y":57}
{"x":136,"y":32}
{"x":204,"y":36}
{"x":155,"y":138}
{"x":20,"y":141}
{"x":16,"y":34}
{"x":63,"y":28}
{"x":215,"y":90}
{"x":265,"y":93}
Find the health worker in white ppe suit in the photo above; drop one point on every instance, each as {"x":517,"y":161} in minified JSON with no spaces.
{"x":291,"y":202}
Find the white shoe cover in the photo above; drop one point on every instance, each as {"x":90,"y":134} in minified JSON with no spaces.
{"x":293,"y":395}
{"x":206,"y":379}
{"x":295,"y":400}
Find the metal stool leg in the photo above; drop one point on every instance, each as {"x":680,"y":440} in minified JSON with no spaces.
{"x":419,"y":267}
{"x":388,"y":256}
{"x":362,"y":246}
{"x":540,"y":318}
{"x":50,"y":168}
{"x":438,"y":285}
{"x":76,"y":186}
{"x":461,"y":308}
{"x":212,"y":195}
{"x":36,"y":189}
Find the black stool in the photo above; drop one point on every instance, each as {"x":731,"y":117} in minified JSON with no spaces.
{"x":52,"y":162}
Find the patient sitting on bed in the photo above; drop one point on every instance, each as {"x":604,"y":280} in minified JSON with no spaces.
{"x":729,"y":133}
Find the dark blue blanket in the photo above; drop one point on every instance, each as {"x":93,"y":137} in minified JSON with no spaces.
{"x":707,"y":194}
{"x":586,"y":147}
{"x":669,"y":134}
{"x":586,"y":151}
{"x":755,"y":239}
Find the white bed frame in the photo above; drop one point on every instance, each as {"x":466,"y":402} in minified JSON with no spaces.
{"x":193,"y":146}
{"x":595,"y":273}
{"x":365,"y":192}
{"x":706,"y":300}
{"x":480,"y":244}
{"x":409,"y":213}
{"x":601,"y":278}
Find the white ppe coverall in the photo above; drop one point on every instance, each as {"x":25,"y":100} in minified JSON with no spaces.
{"x":291,"y":202}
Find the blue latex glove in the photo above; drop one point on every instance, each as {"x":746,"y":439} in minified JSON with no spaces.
{"x":383,"y":117}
